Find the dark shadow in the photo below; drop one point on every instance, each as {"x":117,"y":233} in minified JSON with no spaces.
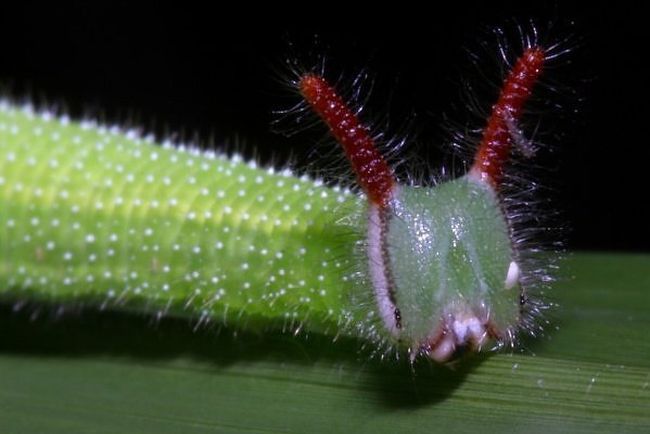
{"x":43,"y":331}
{"x":425,"y":383}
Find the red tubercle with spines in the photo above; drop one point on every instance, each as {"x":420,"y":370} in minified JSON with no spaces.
{"x":496,"y":143}
{"x":373,"y":173}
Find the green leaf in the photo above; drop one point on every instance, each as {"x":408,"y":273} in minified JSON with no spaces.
{"x":116,"y":373}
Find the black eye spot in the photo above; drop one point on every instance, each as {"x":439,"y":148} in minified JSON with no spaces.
{"x":398,"y":318}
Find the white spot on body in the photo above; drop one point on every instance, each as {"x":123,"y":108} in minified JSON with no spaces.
{"x":512,"y":277}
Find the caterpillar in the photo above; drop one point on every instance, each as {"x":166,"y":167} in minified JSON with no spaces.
{"x":98,"y":216}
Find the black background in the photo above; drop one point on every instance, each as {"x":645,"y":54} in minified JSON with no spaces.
{"x":212,"y":73}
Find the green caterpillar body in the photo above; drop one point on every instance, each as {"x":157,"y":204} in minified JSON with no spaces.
{"x":104,"y":217}
{"x":96,"y":215}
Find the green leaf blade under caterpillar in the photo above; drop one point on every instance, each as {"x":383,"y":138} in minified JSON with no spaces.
{"x":592,"y":376}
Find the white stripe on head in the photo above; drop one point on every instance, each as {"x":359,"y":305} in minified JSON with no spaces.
{"x":378,"y":269}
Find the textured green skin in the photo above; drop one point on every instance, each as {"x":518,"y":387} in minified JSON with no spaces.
{"x":95,"y":215}
{"x":452,"y":238}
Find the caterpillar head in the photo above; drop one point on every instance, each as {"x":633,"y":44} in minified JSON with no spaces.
{"x":442,"y":268}
{"x":440,"y":259}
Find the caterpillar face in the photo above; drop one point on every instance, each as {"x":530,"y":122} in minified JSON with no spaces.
{"x":439,"y":259}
